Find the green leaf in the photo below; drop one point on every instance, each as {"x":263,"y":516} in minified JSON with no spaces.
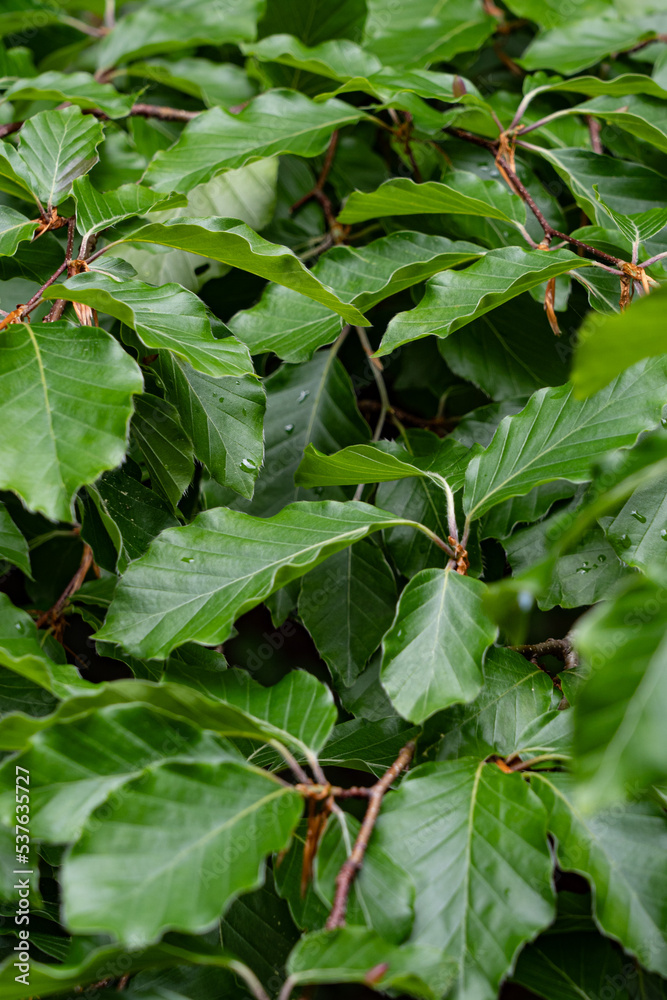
{"x":131,"y":513}
{"x":426,"y":32}
{"x":87,"y":963}
{"x":298,"y":711}
{"x":583,"y":576}
{"x":620,"y":853}
{"x":433,"y":653}
{"x":465,"y":194}
{"x":481,"y":865}
{"x":593,"y":86}
{"x":570,"y":966}
{"x":312,"y":402}
{"x":22,"y":652}
{"x":504,"y":358}
{"x":195,"y":581}
{"x":348,"y":954}
{"x":96,"y":210}
{"x":259,"y":929}
{"x":514,"y":693}
{"x":577,"y":45}
{"x":223,"y":418}
{"x":214,"y":83}
{"x":347,"y":604}
{"x":165,"y":317}
{"x":314,"y":21}
{"x":339,"y":59}
{"x":13,"y":546}
{"x":456,"y":298}
{"x":275,"y":123}
{"x":104,"y":867}
{"x":640,"y":116}
{"x":607,"y":345}
{"x":79,"y":89}
{"x":367,"y":746}
{"x":628,"y":188}
{"x":68,"y":400}
{"x":637,"y":228}
{"x":69,"y":780}
{"x":618,"y":714}
{"x":639,"y":530}
{"x":371,"y":463}
{"x":14,"y":229}
{"x":369,"y":905}
{"x":55,"y":148}
{"x":293,"y":327}
{"x":503,"y":519}
{"x":166,"y":449}
{"x":156,"y":27}
{"x":246,"y":195}
{"x":234,"y":243}
{"x":558,"y":437}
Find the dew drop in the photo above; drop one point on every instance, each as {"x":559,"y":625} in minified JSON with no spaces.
{"x":303,"y":395}
{"x":625,"y":541}
{"x":289,"y":428}
{"x":663,"y":421}
{"x":221,"y":399}
{"x":19,"y":626}
{"x":187,"y":559}
{"x":602,"y":558}
{"x":663,"y":534}
{"x":638,"y":517}
{"x":248,"y":463}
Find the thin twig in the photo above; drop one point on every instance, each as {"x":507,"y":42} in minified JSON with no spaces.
{"x":519,"y":188}
{"x":524,"y":765}
{"x":291,"y":762}
{"x":594,"y":132}
{"x":653,"y":260}
{"x":54,"y":613}
{"x":352,"y":865}
{"x":376,"y":368}
{"x":35,"y":300}
{"x":436,"y":424}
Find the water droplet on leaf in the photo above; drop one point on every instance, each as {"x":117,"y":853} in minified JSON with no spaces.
{"x":638,"y":517}
{"x":187,"y":559}
{"x":289,"y":428}
{"x":248,"y":463}
{"x":304,"y":394}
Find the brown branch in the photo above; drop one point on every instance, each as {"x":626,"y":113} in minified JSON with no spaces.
{"x":75,"y":583}
{"x":163,"y":113}
{"x":316,"y":193}
{"x":594,"y":132}
{"x":35,"y":300}
{"x":320,"y":792}
{"x":560,"y":648}
{"x":348,"y":872}
{"x":513,"y":181}
{"x":644,"y":44}
{"x":440,"y":425}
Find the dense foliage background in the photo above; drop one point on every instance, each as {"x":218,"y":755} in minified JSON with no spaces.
{"x":333,"y":528}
